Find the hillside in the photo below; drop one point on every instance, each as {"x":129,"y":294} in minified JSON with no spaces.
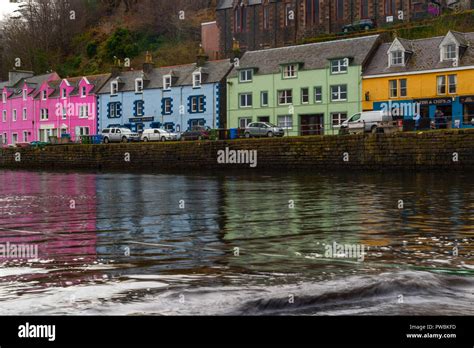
{"x":87,"y":37}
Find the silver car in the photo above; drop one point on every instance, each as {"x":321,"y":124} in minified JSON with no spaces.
{"x":263,"y":129}
{"x":117,"y":135}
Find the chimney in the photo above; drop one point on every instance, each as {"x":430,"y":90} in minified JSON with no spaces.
{"x":117,"y":68}
{"x":14,"y":76}
{"x":202,"y":57}
{"x":148,"y":65}
{"x":236,"y":53}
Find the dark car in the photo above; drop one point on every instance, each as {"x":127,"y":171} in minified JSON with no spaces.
{"x":363,"y":24}
{"x":196,"y":133}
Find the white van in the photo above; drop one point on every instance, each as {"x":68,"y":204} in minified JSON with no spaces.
{"x":367,"y":121}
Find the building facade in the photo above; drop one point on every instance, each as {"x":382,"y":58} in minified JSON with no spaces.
{"x":308,"y":89}
{"x":424,"y":78}
{"x":259,"y":24}
{"x":175,"y":98}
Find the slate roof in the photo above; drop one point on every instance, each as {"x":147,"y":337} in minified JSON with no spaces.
{"x":212,"y":72}
{"x":225,"y":4}
{"x":97,"y":80}
{"x":312,"y":56}
{"x":33,"y":82}
{"x":426,"y":56}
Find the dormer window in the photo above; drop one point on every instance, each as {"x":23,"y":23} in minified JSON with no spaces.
{"x":114,"y":88}
{"x":245,"y":75}
{"x":63,"y":93}
{"x":339,"y":66}
{"x":139,"y":86}
{"x":289,"y":71}
{"x":450,"y":52}
{"x":83,"y":91}
{"x":44,"y":95}
{"x":4,"y":97}
{"x":25,"y":94}
{"x":397,"y":58}
{"x":197,"y":79}
{"x":167,"y":82}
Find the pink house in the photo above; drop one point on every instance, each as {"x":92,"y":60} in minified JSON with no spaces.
{"x":34,"y":108}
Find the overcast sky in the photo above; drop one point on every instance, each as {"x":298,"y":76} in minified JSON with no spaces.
{"x":6,"y":7}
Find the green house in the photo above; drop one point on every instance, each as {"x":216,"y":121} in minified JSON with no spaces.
{"x":307,"y":89}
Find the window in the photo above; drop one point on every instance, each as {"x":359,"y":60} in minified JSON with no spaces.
{"x":246,"y":100}
{"x":450,"y":52}
{"x":441,"y":83}
{"x":364,"y":9}
{"x":44,"y":95}
{"x":452,"y":84}
{"x":339,"y":93}
{"x":393,"y":88}
{"x":197,"y":104}
{"x":318,"y":94}
{"x":264,"y":98}
{"x":196,"y":80}
{"x":139,"y":86}
{"x":14,"y":138}
{"x":339,"y":66}
{"x":245,"y":75}
{"x":285,"y":97}
{"x":63,"y":93}
{"x":4,"y":116}
{"x":304,"y":95}
{"x":167,"y":82}
{"x":340,"y":9}
{"x":240,"y":18}
{"x":139,"y":108}
{"x":24,"y":114}
{"x":25,"y":94}
{"x":63,"y":112}
{"x":25,"y":136}
{"x":289,"y":15}
{"x":5,"y":138}
{"x":114,"y":88}
{"x":167,"y":106}
{"x":4,"y":97}
{"x":285,"y":121}
{"x":289,"y":71}
{"x":44,"y":114}
{"x":83,"y":92}
{"x":397,"y":58}
{"x":244,"y":122}
{"x":14,"y":115}
{"x":114,"y":110}
{"x":337,"y":118}
{"x":82,"y":131}
{"x":266,"y":17}
{"x":83,"y":111}
{"x":312,"y":11}
{"x":403,"y":87}
{"x":389,"y":5}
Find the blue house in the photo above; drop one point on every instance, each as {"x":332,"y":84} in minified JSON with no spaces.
{"x":175,"y":98}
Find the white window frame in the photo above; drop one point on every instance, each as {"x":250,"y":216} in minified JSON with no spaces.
{"x":84,"y":111}
{"x":287,"y":123}
{"x":83,"y":92}
{"x":340,"y":92}
{"x":139,"y":86}
{"x":403,"y":90}
{"x":247,"y":104}
{"x":448,"y":53}
{"x":114,"y":88}
{"x":197,"y":79}
{"x":449,"y":84}
{"x":440,"y":83}
{"x":25,"y":94}
{"x":24,"y":114}
{"x":320,"y":94}
{"x":167,"y":105}
{"x":393,"y":88}
{"x":340,"y":119}
{"x":245,"y":75}
{"x":4,"y":116}
{"x":44,"y":114}
{"x":246,"y":120}
{"x":290,"y":71}
{"x":63,"y":112}
{"x":167,"y":82}
{"x":307,"y":95}
{"x":14,"y":115}
{"x":25,"y":136}
{"x":4,"y":97}
{"x":397,"y":58}
{"x":44,"y":95}
{"x":63,"y":93}
{"x":283,"y":94}
{"x":261,"y":98}
{"x":339,"y":66}
{"x":140,"y":108}
{"x":113,"y":110}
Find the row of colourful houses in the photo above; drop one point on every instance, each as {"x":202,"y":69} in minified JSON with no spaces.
{"x":307,"y":89}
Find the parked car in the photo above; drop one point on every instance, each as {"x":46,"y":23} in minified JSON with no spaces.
{"x":263,"y":129}
{"x":196,"y":133}
{"x":117,"y":135}
{"x":363,"y":24}
{"x":367,"y":121}
{"x":158,"y":135}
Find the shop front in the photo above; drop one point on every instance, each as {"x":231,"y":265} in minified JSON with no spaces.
{"x":467,"y":119}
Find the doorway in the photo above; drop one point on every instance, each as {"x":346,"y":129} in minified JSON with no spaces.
{"x":311,"y":124}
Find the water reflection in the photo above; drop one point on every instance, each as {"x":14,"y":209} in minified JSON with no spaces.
{"x":134,"y":239}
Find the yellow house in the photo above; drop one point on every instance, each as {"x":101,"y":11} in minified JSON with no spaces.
{"x":429,"y":79}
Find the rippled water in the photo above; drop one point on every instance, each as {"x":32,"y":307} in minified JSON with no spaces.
{"x":237,"y":244}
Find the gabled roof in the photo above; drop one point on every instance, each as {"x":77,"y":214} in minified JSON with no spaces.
{"x":312,"y":56}
{"x":426,"y":56}
{"x":215,"y":72}
{"x":32,"y":82}
{"x":96,"y":80}
{"x":225,"y":4}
